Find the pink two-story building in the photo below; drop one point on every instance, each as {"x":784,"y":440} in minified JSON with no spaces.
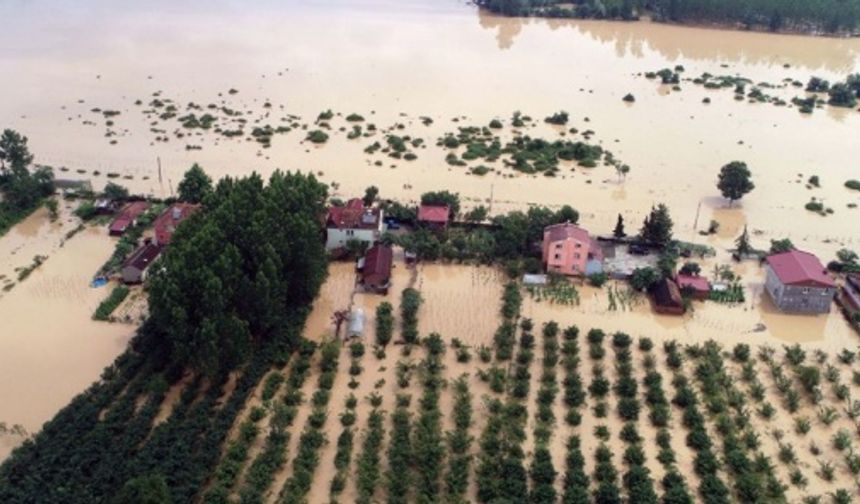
{"x":570,"y":250}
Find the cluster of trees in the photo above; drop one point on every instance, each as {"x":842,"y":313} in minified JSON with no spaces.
{"x":542,"y":471}
{"x":368,"y":471}
{"x":241,"y":273}
{"x":22,"y":190}
{"x":231,"y":295}
{"x":261,"y":472}
{"x":428,"y":441}
{"x":312,"y":439}
{"x":804,"y":15}
{"x":830,"y":16}
{"x":674,"y":487}
{"x":400,"y":454}
{"x":637,"y":480}
{"x":345,"y":442}
{"x":599,"y":9}
{"x":754,"y":478}
{"x":459,"y":441}
{"x":410,"y":301}
{"x":505,"y":336}
{"x":712,"y":489}
{"x":509,"y":237}
{"x":501,"y":472}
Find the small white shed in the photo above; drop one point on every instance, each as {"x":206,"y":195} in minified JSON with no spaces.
{"x":356,"y":323}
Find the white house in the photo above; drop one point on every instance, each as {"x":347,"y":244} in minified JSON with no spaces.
{"x":353,"y":222}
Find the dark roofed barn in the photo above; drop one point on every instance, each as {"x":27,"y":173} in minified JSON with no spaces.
{"x":376,"y":270}
{"x":667,"y":298}
{"x":134,"y":268}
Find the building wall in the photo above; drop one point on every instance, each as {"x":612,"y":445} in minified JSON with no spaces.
{"x":130,"y":274}
{"x":337,"y":238}
{"x":796,"y":298}
{"x":567,"y":257}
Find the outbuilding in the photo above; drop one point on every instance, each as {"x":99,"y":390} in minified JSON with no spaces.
{"x":798,"y":283}
{"x":134,"y":269}
{"x":696,"y":286}
{"x":375,"y":268}
{"x":667,"y":298}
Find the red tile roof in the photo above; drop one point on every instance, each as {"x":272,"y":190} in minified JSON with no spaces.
{"x":377,"y":261}
{"x":696,"y":283}
{"x":434,"y":213}
{"x":559,"y":232}
{"x":165,"y":224}
{"x":353,"y":216}
{"x":127,"y":215}
{"x":796,"y":267}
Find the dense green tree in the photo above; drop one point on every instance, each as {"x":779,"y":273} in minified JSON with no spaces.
{"x":150,"y":489}
{"x":225,"y":283}
{"x":734,"y":181}
{"x":370,"y":195}
{"x":443,"y":198}
{"x":195,"y":185}
{"x":783,"y":245}
{"x":618,"y":232}
{"x":657,"y":228}
{"x":115,"y":191}
{"x":743,"y":243}
{"x":14,"y":151}
{"x":842,"y":95}
{"x":643,"y":278}
{"x":477,"y":214}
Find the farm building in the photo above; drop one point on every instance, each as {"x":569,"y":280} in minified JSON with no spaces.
{"x":134,"y":269}
{"x":798,"y":283}
{"x":127,"y":217}
{"x":354,"y":221}
{"x":166,"y":223}
{"x":375,"y":268}
{"x":667,"y":298}
{"x":434,"y":216}
{"x":698,"y":287}
{"x":569,"y":250}
{"x":851,"y":293}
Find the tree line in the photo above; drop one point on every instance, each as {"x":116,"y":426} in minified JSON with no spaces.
{"x":830,"y":16}
{"x":231,"y":294}
{"x":22,"y":190}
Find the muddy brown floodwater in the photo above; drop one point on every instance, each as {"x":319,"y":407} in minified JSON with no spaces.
{"x":394,"y":61}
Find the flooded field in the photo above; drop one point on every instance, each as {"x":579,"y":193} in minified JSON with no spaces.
{"x":396,"y":62}
{"x":50,"y":349}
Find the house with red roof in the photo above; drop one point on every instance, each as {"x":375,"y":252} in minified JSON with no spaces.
{"x":166,"y":223}
{"x":127,"y":217}
{"x":353,"y":222}
{"x":434,"y":216}
{"x":569,"y":250}
{"x":375,"y":268}
{"x":698,"y":287}
{"x":798,"y":283}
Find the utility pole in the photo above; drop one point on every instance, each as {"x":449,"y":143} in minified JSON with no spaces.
{"x":696,"y":222}
{"x":490,"y":209}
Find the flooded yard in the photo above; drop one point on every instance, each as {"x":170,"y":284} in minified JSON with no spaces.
{"x":421,"y":69}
